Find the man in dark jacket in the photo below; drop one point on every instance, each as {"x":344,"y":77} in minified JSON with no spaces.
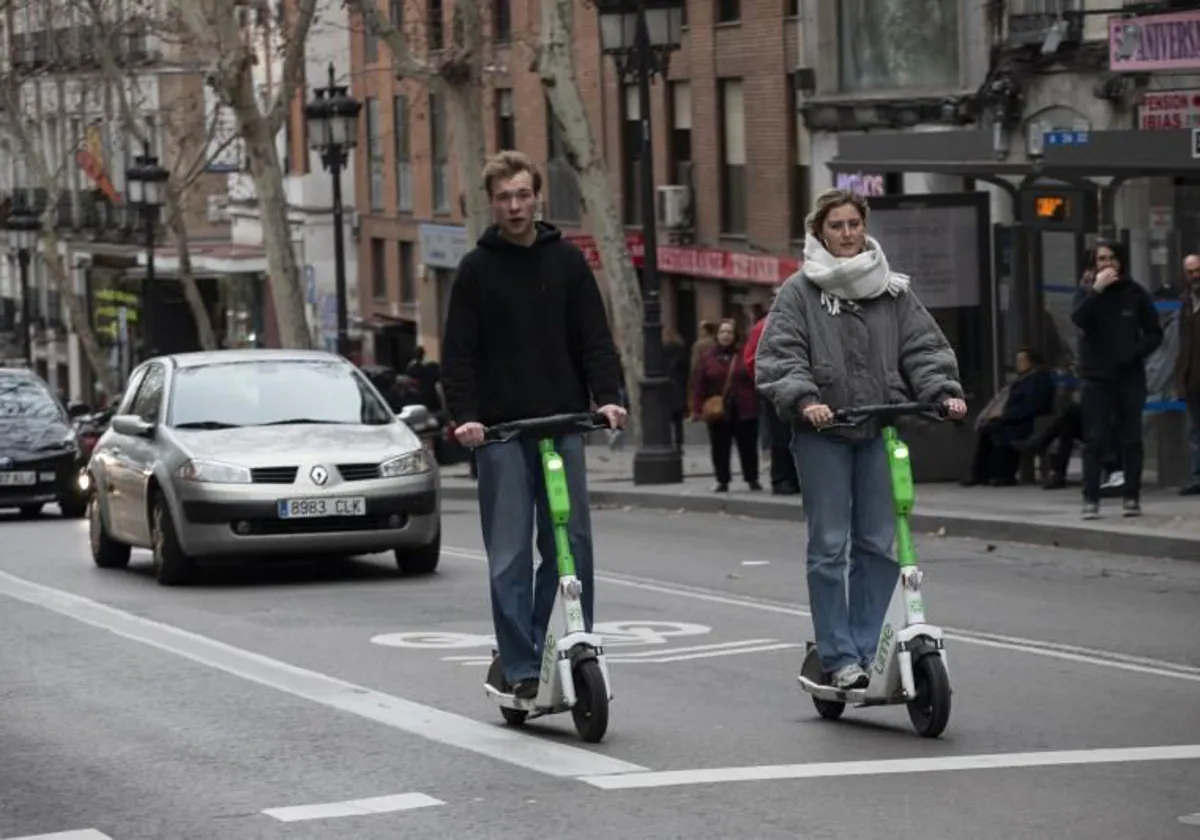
{"x":526,"y":336}
{"x":1119,"y":328}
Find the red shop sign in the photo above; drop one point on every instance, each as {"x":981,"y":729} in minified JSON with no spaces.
{"x":718,"y":264}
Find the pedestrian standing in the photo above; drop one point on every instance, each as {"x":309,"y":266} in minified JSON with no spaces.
{"x":1119,"y":328}
{"x":1187,"y":365}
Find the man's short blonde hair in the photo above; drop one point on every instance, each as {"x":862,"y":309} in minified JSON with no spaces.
{"x":507,"y":164}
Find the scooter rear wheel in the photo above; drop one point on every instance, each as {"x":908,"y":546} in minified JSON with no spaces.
{"x":591,"y":702}
{"x":929,"y":711}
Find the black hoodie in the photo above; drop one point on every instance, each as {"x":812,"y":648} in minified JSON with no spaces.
{"x":526,"y":333}
{"x":1119,"y":328}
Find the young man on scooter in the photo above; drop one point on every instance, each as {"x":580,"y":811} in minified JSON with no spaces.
{"x":526,"y":336}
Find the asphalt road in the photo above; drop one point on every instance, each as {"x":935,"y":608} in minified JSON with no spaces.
{"x":132,"y":711}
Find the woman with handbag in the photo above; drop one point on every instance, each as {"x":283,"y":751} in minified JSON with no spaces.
{"x":723,"y":396}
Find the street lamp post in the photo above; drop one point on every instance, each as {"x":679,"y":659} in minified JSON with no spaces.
{"x":24,"y":226}
{"x":147,"y":182}
{"x":332,"y":118}
{"x":640,"y":35}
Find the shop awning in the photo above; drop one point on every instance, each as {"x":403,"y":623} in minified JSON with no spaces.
{"x":209,"y":258}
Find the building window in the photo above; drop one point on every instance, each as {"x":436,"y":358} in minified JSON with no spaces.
{"x":728,"y":11}
{"x":798,"y":151}
{"x":370,"y":42}
{"x":379,"y":284}
{"x":793,"y":8}
{"x":679,"y":144}
{"x":408,"y":281}
{"x":565,"y":204}
{"x":631,"y":157}
{"x":396,"y":14}
{"x":374,"y":153}
{"x":506,"y":127}
{"x":440,"y":154}
{"x":403,"y":154}
{"x":435,"y":24}
{"x":898,"y":44}
{"x":501,"y":22}
{"x":733,"y":157}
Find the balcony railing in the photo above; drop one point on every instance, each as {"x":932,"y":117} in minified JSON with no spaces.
{"x":1029,"y":21}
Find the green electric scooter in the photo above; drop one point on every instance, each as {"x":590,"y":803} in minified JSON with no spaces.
{"x":910,"y":660}
{"x":574,"y":673}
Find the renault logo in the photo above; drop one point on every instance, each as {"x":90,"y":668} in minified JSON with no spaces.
{"x":319,"y":475}
{"x":6,"y":463}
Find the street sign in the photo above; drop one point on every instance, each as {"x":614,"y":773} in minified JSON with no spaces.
{"x":1065,"y":138}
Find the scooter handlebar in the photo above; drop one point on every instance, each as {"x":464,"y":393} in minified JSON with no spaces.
{"x":858,"y":414}
{"x":543,"y":427}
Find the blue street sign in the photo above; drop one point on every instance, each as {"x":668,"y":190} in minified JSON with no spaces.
{"x":1065,"y":138}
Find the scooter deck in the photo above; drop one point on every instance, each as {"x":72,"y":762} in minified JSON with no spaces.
{"x":511,"y":701}
{"x":858,"y":697}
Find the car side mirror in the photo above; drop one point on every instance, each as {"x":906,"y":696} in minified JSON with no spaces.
{"x":415,"y":416}
{"x":132,"y":425}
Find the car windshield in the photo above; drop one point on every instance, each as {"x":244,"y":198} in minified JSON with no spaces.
{"x":264,"y":393}
{"x":25,"y":398}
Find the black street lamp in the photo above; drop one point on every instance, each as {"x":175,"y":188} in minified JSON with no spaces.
{"x":641,"y":35}
{"x":147,"y":182}
{"x":332,"y":117}
{"x":24,"y":228}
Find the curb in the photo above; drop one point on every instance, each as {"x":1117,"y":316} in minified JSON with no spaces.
{"x":1140,"y":542}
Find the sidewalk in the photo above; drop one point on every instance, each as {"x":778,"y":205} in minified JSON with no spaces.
{"x":1168,"y":527}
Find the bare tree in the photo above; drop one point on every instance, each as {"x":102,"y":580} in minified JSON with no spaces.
{"x":34,"y":101}
{"x":222,"y":34}
{"x":556,"y":65}
{"x":455,"y":73}
{"x":186,"y":131}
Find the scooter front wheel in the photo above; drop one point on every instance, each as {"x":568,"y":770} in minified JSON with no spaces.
{"x":829,"y":709}
{"x":929,"y":710}
{"x":591,"y":702}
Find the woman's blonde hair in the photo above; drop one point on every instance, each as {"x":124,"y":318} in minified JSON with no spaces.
{"x":829,"y":200}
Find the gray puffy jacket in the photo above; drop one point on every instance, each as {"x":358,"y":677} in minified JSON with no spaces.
{"x":886,"y":349}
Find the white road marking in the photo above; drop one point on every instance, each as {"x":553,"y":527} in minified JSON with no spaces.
{"x":1190,"y":819}
{"x":903,"y":766}
{"x":756,"y":562}
{"x":353,"y":807}
{"x":1037,"y":647}
{"x":82,"y":834}
{"x":491,"y":740}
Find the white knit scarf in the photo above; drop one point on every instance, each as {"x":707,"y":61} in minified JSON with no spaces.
{"x":861,"y":277}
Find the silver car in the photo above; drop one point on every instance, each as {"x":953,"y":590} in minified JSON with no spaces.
{"x":244,"y":452}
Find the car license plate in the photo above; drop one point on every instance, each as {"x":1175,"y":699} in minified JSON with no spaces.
{"x":317,"y":508}
{"x":17,"y":479}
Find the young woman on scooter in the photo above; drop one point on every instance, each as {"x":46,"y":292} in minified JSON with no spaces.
{"x":846,"y":331}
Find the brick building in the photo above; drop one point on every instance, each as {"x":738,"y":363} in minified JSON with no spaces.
{"x":726,"y":131}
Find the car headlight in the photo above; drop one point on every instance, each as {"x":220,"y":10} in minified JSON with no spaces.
{"x":414,"y":463}
{"x":214,"y":472}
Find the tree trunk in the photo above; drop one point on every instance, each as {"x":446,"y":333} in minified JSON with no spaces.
{"x":464,"y":95}
{"x":76,"y":311}
{"x":267,"y":172}
{"x":556,"y":65}
{"x":187,"y":280}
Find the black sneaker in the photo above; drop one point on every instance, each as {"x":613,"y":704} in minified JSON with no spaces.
{"x":1091,"y":510}
{"x":526,"y":689}
{"x":1190,"y":490}
{"x":1132,"y":507}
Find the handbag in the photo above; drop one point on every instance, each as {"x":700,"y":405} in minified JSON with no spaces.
{"x":713,"y":409}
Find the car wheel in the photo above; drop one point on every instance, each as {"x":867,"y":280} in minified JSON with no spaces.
{"x":171,"y":566}
{"x":30,"y":511}
{"x":422,"y":560}
{"x":107,"y":553}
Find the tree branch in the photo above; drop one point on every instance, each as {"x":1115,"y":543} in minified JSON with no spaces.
{"x":407,"y":66}
{"x":293,"y":65}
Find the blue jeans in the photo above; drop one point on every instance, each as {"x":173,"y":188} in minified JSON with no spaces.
{"x":512,"y":496}
{"x":849,"y":510}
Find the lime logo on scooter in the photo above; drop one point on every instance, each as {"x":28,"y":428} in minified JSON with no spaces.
{"x":885,"y":648}
{"x":548,"y":656}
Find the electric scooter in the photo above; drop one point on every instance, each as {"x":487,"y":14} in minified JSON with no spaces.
{"x":574,"y":674}
{"x":910,"y":662}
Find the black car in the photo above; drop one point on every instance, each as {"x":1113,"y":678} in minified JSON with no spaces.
{"x":40,"y":458}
